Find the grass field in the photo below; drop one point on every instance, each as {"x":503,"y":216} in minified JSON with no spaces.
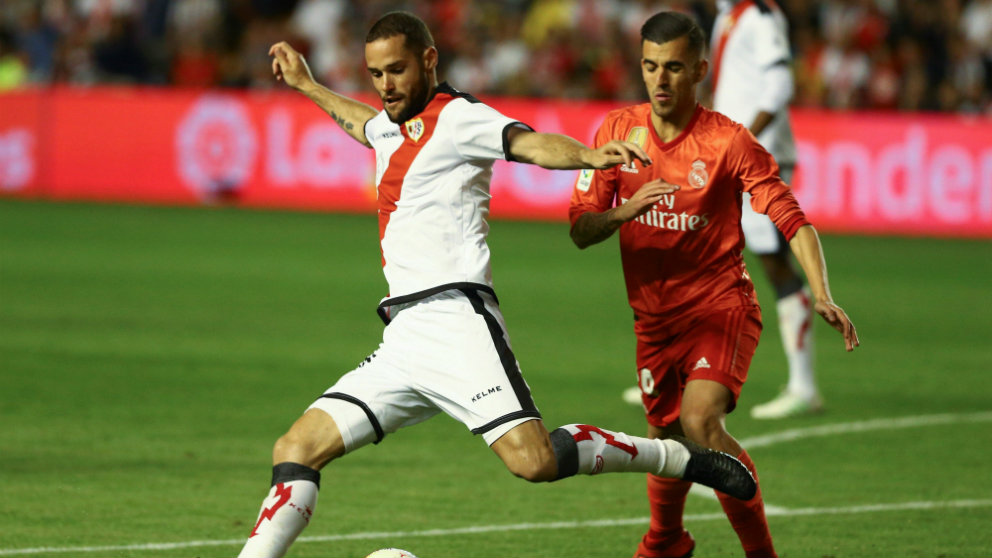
{"x":149,"y":357}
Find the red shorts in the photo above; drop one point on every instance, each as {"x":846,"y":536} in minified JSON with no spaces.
{"x":716,"y":346}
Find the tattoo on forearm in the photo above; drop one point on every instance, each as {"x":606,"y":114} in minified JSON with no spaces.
{"x":592,"y":229}
{"x":341,"y":121}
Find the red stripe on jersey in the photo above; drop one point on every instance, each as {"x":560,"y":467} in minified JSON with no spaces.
{"x":731,"y":22}
{"x":391,"y":184}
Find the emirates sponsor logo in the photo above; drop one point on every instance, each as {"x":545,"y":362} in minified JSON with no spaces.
{"x":671,"y":220}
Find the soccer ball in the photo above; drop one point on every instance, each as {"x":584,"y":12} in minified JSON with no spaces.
{"x":391,"y":553}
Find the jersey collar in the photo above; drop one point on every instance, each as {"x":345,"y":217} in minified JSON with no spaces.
{"x":678,"y":139}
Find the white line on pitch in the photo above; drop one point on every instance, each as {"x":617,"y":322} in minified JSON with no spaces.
{"x":708,"y":494}
{"x":753,"y":442}
{"x":863,"y":426}
{"x":477,"y":529}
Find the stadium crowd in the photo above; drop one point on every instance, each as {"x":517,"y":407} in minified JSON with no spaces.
{"x":910,"y":55}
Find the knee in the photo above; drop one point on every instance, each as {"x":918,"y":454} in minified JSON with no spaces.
{"x":298,"y":447}
{"x":702,"y":427}
{"x":289,"y":447}
{"x":536,"y":464}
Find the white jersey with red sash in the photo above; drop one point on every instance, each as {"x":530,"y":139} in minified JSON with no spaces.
{"x":432,"y":179}
{"x":750,"y":36}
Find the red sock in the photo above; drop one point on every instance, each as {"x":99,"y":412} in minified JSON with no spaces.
{"x":748,"y":519}
{"x":666,"y":537}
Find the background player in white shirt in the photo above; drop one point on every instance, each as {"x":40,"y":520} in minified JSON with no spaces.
{"x":445,"y":347}
{"x":752,"y":84}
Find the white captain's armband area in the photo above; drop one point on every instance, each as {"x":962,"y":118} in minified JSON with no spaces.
{"x":585,"y":180}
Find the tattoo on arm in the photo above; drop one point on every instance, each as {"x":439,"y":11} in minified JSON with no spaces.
{"x":592,"y":228}
{"x":341,"y":121}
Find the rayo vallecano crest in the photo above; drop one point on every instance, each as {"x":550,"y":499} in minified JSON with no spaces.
{"x":415,"y":128}
{"x":698,"y":177}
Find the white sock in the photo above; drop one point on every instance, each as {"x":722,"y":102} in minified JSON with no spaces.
{"x":285,"y":513}
{"x":795,"y":320}
{"x":605,"y":451}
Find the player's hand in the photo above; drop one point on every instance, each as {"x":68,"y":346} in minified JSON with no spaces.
{"x":644,"y":199}
{"x":614,"y":153}
{"x":837,"y":318}
{"x":290,"y":66}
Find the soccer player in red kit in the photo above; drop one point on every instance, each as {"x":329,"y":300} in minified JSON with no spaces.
{"x":697,"y":319}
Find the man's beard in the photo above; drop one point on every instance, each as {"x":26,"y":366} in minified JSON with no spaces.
{"x":417,"y":102}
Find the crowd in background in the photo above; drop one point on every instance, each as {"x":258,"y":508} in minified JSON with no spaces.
{"x":933,"y":55}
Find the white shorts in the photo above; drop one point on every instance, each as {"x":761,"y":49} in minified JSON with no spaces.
{"x":449,"y":352}
{"x":761,"y":236}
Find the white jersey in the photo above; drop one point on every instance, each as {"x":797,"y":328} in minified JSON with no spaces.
{"x":432,"y":182}
{"x":749,"y":38}
{"x":445,"y":348}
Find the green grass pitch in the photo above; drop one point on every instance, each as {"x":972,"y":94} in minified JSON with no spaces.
{"x":149,"y":357}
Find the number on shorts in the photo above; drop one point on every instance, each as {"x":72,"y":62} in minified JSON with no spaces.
{"x":646,"y":382}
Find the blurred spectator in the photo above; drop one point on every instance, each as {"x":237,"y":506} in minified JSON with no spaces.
{"x":507,"y":61}
{"x":118,"y":53}
{"x":38,"y":39}
{"x":883,"y":84}
{"x":849,"y":54}
{"x":965,"y":81}
{"x":194,"y":32}
{"x":845,"y":70}
{"x":913,"y":89}
{"x":13,"y":68}
{"x":976,"y":24}
{"x":319,"y":23}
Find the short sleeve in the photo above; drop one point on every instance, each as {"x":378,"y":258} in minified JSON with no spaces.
{"x":759,"y":176}
{"x":771,"y":45}
{"x":595,"y":190}
{"x":480,"y":131}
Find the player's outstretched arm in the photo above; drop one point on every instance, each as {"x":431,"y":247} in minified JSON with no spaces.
{"x":592,"y":227}
{"x":556,"y":151}
{"x":290,"y":66}
{"x":809,"y":252}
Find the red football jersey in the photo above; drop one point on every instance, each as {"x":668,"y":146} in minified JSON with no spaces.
{"x":683,"y":257}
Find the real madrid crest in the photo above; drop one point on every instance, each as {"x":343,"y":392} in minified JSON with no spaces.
{"x":415,"y":128}
{"x":698,"y":177}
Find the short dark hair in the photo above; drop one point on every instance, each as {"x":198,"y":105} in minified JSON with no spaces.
{"x":663,"y":27}
{"x":416,"y":35}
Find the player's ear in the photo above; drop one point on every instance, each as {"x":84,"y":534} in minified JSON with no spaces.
{"x":430,"y":58}
{"x":702,"y":67}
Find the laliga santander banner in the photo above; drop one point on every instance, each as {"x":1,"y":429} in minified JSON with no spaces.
{"x":858,"y":172}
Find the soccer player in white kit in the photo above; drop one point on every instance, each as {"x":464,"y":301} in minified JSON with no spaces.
{"x":752,"y":84}
{"x":445,"y":347}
